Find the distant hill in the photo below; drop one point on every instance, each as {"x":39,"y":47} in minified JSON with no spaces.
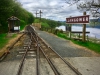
{"x":96,"y":26}
{"x":98,"y":20}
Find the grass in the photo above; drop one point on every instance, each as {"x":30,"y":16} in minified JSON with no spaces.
{"x":90,"y":45}
{"x":4,"y":40}
{"x":22,"y":27}
{"x":62,"y":35}
{"x":14,"y":35}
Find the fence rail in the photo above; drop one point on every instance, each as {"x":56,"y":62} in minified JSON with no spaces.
{"x":74,"y":35}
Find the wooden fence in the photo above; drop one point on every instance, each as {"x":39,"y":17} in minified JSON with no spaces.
{"x":75,"y":36}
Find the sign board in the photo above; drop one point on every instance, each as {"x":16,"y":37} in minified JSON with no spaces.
{"x":17,"y":28}
{"x":78,"y":20}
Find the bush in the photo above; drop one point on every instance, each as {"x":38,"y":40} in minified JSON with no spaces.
{"x":22,"y":24}
{"x":45,"y":25}
{"x":3,"y":40}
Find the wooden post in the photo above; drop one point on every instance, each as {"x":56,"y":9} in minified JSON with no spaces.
{"x":70,"y":29}
{"x":84,"y":30}
{"x":36,"y":14}
{"x":79,"y":35}
{"x":87,"y":38}
{"x":18,"y":25}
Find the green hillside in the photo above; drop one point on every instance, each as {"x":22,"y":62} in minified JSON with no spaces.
{"x":10,"y":8}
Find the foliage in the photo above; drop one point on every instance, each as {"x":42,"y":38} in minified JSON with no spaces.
{"x":22,"y":24}
{"x":3,"y":40}
{"x":52,"y":23}
{"x":93,"y":6}
{"x":10,"y":8}
{"x":94,"y":22}
{"x":93,"y":46}
{"x":49,"y":23}
{"x":62,"y":35}
{"x":14,"y":35}
{"x":30,"y":19}
{"x":87,"y":5}
{"x":36,"y":21}
{"x":45,"y":25}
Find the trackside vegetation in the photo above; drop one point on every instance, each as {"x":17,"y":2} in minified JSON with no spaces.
{"x":4,"y":38}
{"x":93,"y":46}
{"x":10,"y":8}
{"x":47,"y":23}
{"x":88,"y":44}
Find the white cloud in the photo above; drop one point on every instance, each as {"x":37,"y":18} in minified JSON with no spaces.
{"x":52,"y":9}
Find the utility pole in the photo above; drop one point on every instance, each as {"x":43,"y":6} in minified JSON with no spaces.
{"x":36,"y":14}
{"x":40,"y":15}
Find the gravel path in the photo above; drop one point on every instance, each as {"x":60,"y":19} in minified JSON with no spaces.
{"x":63,"y":47}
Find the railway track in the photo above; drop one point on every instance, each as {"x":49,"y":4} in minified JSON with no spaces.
{"x":38,"y":58}
{"x":10,"y":47}
{"x":46,"y":52}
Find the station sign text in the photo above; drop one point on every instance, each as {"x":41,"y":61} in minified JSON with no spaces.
{"x":78,"y":19}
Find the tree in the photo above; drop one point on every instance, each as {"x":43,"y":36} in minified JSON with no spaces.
{"x":31,"y":18}
{"x":47,"y":23}
{"x":93,"y":6}
{"x":10,"y":8}
{"x":5,"y":12}
{"x":87,"y":5}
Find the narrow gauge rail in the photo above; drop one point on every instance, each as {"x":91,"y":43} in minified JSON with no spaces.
{"x":6,"y":53}
{"x":27,"y":48}
{"x":42,"y":49}
{"x":48,"y":53}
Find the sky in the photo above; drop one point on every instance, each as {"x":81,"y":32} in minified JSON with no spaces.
{"x":57,"y":10}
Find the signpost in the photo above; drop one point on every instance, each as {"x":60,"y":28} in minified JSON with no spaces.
{"x":79,"y":20}
{"x":84,"y":29}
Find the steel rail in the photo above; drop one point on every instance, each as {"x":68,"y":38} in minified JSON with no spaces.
{"x":66,"y":62}
{"x":50,"y":63}
{"x":5,"y":54}
{"x":16,"y":41}
{"x":38,"y":61}
{"x":75,"y":70}
{"x":22,"y":62}
{"x":37,"y":53}
{"x":47,"y":58}
{"x":23,"y":59}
